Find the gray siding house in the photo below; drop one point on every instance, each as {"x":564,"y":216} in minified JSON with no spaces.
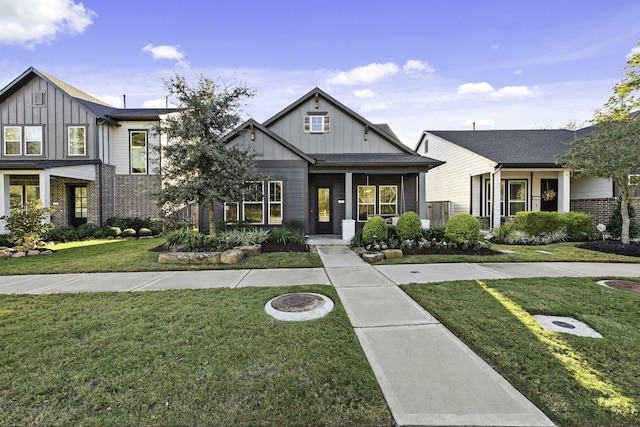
{"x":329,"y":168}
{"x":87,"y":159}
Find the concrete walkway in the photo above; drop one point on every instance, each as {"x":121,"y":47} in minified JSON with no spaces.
{"x":427,"y":375}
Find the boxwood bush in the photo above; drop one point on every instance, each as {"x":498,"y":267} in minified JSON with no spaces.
{"x":409,"y":226}
{"x":462,"y":228}
{"x":577,"y":224}
{"x":375,"y":228}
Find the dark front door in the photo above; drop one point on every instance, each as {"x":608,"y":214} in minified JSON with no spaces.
{"x":77,"y":205}
{"x":324,"y":223}
{"x":549,"y":195}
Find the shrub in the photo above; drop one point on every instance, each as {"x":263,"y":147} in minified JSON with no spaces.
{"x":174,"y":224}
{"x":374,"y":229}
{"x":409,"y":226}
{"x":227,"y":239}
{"x":113,"y":231}
{"x":145,"y":232}
{"x":128,"y":232}
{"x":186,"y":240}
{"x":5,"y":239}
{"x":253,"y":236}
{"x":433,"y":233}
{"x":64,"y":233}
{"x":614,"y":226}
{"x":356,"y":240}
{"x":87,"y":231}
{"x":462,"y":227}
{"x":27,"y":225}
{"x":293,"y":224}
{"x":285,"y":235}
{"x":577,"y":224}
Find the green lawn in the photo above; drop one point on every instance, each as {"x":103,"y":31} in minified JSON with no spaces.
{"x":560,"y":252}
{"x":576,"y":381}
{"x":134,"y":255}
{"x":205,"y":357}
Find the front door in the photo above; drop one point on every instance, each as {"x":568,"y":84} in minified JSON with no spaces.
{"x":549,"y":195}
{"x":324,"y":224}
{"x":77,"y":205}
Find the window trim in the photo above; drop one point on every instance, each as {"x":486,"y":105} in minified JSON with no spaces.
{"x":254,"y":202}
{"x":380,"y":204}
{"x":308,"y":123}
{"x":146,"y":151}
{"x":275,"y":202}
{"x":374,"y":204}
{"x":4,"y":140}
{"x":26,"y":142}
{"x":224,"y":210}
{"x":508,"y":194}
{"x":84,"y":142}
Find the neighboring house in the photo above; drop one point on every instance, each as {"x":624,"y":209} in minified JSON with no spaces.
{"x":87,"y":159}
{"x":516,"y":167}
{"x":329,"y":168}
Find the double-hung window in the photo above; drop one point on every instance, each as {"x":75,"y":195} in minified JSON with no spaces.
{"x":139,"y":151}
{"x":388,"y":199}
{"x":231,"y":212}
{"x":22,"y":139}
{"x":76,"y":140}
{"x":517,"y":197}
{"x":275,"y":202}
{"x":318,"y":123}
{"x":366,"y":201}
{"x":20,"y":195}
{"x":253,"y":206}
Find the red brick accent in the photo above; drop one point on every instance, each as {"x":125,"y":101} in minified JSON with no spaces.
{"x":600,"y":209}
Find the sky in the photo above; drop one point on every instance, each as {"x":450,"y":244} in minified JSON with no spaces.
{"x":413,"y":64}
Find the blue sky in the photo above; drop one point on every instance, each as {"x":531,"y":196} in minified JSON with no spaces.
{"x":415,"y":64}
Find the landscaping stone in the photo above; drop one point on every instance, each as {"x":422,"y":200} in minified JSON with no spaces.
{"x":392,"y":253}
{"x":250,"y":250}
{"x":46,"y":252}
{"x":205,"y":258}
{"x":232,"y":256}
{"x":189,"y":258}
{"x":173,"y":258}
{"x":33,"y":252}
{"x":18,"y":254}
{"x":372,"y":257}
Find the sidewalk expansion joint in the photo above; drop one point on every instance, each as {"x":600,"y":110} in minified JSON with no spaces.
{"x":57,"y":285}
{"x":398,"y":325}
{"x":137,"y":288}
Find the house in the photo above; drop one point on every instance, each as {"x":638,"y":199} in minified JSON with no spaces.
{"x":516,"y":167}
{"x":329,"y":168}
{"x":87,"y":159}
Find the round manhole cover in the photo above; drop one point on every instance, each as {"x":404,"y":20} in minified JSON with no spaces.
{"x":295,"y":303}
{"x":299,"y":306}
{"x":563,"y":324}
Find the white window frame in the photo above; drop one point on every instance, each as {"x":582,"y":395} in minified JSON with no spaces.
{"x":519,"y":201}
{"x":375,"y":194}
{"x":275,"y":199}
{"x":320,"y":126}
{"x":254,"y":202}
{"x":145,"y":149}
{"x":226,"y":216}
{"x":633,"y":179}
{"x":27,"y":140}
{"x":84,"y":141}
{"x":489,"y":194}
{"x":19,"y":140}
{"x":394,"y":204}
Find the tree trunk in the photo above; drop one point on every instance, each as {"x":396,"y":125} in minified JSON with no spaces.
{"x":212,"y":220}
{"x":624,"y":211}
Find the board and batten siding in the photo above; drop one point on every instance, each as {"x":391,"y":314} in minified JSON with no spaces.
{"x":451,"y":181}
{"x":120,"y":149}
{"x":264,"y":147}
{"x":58,"y":111}
{"x":346,"y":135}
{"x":293,"y":175}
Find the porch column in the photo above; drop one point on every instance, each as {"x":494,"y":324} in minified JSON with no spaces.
{"x":422,"y":195}
{"x":495,"y":198}
{"x":348,"y":195}
{"x":564,"y":191}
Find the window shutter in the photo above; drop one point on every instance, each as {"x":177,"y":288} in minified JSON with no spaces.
{"x":326,"y":124}
{"x":307,"y":123}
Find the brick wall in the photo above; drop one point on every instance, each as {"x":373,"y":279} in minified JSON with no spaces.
{"x":134,"y":196}
{"x":600,"y":209}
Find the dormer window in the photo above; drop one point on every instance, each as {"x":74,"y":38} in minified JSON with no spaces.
{"x":316,"y":123}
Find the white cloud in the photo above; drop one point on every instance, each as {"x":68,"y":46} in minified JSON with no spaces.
{"x":475,"y":88}
{"x":365,"y":74}
{"x":158,"y":103}
{"x":633,"y":51}
{"x":416,"y":66}
{"x":478,"y":123}
{"x":116,"y":101}
{"x":364,"y":93}
{"x":164,"y":52}
{"x":507,"y":92}
{"x":33,"y":22}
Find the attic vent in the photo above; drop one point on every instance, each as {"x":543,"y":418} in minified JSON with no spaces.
{"x":38,"y":99}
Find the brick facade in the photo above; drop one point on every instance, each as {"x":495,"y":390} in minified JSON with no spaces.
{"x":600,"y":209}
{"x":134,"y":196}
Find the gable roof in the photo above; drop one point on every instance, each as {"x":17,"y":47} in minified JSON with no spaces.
{"x":384,"y":131}
{"x":511,"y":148}
{"x":99,"y":108}
{"x":251,"y":122}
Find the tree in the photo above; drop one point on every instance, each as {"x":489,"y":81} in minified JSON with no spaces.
{"x":612,"y":149}
{"x":198,"y":166}
{"x":28,"y":224}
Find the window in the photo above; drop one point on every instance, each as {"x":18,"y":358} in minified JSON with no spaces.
{"x":231,"y":212}
{"x":19,"y":195}
{"x":634,"y":179}
{"x":33,"y":140}
{"x":275,"y":202}
{"x":77,"y":141}
{"x":80,"y":203}
{"x":12,"y":140}
{"x":366,"y":201}
{"x":517,"y":197}
{"x":253,"y":207}
{"x":388,"y":196}
{"x":316,"y":124}
{"x":138,"y":144}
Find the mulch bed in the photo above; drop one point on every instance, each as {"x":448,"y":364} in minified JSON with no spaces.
{"x":288,"y":247}
{"x":612,"y":247}
{"x":624,"y":285}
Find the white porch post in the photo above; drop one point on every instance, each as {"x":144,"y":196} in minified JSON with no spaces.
{"x":422,"y":195}
{"x":564,"y":191}
{"x":4,"y":200}
{"x":45,"y":190}
{"x":348,"y":223}
{"x":495,"y":198}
